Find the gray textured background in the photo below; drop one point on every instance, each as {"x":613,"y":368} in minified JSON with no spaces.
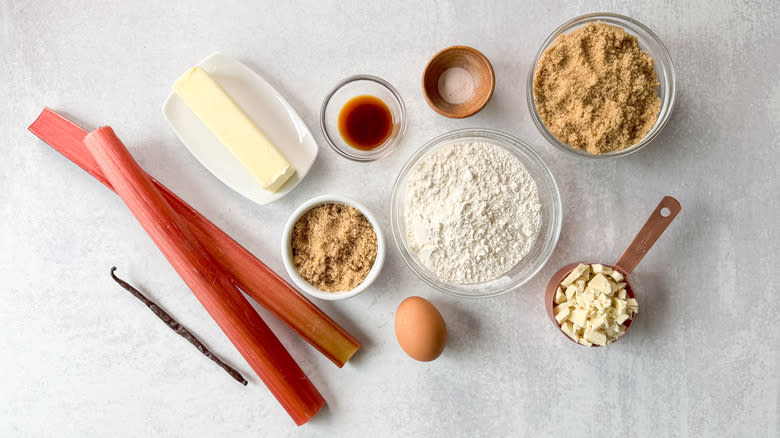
{"x":82,"y":358}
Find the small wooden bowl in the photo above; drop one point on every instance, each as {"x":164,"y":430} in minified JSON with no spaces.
{"x":476,"y":64}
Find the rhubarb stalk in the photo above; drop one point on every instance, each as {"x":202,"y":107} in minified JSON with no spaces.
{"x":224,"y":302}
{"x":248,"y":272}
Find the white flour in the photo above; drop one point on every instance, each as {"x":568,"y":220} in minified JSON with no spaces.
{"x":473,"y":212}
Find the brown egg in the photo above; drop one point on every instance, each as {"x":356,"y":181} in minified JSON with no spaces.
{"x":420,"y":329}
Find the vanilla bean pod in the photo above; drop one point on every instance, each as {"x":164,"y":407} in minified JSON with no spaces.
{"x":178,"y":328}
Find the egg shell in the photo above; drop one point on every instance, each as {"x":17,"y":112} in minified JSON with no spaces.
{"x":420,"y":329}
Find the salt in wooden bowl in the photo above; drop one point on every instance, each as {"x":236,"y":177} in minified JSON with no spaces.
{"x":476,"y":64}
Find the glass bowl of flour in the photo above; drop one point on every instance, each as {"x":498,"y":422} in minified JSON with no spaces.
{"x":475,"y":213}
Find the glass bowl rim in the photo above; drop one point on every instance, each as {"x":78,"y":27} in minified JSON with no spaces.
{"x":507,"y":141}
{"x":662,"y":56}
{"x":402,"y":117}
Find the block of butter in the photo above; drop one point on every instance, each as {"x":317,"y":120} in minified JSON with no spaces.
{"x":234,"y":129}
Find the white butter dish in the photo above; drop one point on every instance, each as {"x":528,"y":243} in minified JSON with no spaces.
{"x":265,"y":107}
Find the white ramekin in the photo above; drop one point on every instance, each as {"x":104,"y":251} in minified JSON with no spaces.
{"x":287,"y":257}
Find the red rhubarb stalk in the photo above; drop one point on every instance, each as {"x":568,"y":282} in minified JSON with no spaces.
{"x":224,"y":302}
{"x":248,"y":272}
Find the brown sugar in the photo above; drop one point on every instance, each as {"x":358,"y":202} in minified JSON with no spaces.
{"x":334,"y":247}
{"x":595,"y":89}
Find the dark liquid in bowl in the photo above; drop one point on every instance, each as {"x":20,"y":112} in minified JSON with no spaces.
{"x":365,"y":122}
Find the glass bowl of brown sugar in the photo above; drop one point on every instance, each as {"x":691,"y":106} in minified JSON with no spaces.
{"x":650,"y":44}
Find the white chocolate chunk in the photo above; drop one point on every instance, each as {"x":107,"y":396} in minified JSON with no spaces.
{"x":613,"y":330}
{"x":580,"y":285}
{"x":600,"y":285}
{"x":562,"y":314}
{"x":617,"y":276}
{"x":632,"y":305}
{"x":573,"y":275}
{"x":560,"y":307}
{"x":600,"y":269}
{"x":598,"y":323}
{"x":585,"y":301}
{"x":621,"y":294}
{"x":578,"y":317}
{"x":570,"y":291}
{"x":617,"y":286}
{"x":619,"y":305}
{"x":568,"y":328}
{"x":597,"y":337}
{"x":559,"y":296}
{"x":604,"y":302}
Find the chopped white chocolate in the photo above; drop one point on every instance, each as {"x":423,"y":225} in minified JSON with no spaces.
{"x":570,"y":291}
{"x":559,"y":296}
{"x":613,"y":330}
{"x":575,"y":274}
{"x":597,"y":337}
{"x":593,"y":305}
{"x":585,"y":300}
{"x":562,"y":314}
{"x":603,"y":302}
{"x":617,"y":286}
{"x":580,"y":285}
{"x":599,"y":285}
{"x":568,"y":328}
{"x":560,"y":307}
{"x":598,"y":323}
{"x":619,"y":305}
{"x":578,"y":317}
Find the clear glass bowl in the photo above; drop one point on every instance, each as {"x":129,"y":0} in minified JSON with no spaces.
{"x":354,"y":86}
{"x":549,"y":198}
{"x":650,"y":43}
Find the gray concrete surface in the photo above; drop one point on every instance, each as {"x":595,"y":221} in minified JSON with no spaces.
{"x":81,"y":358}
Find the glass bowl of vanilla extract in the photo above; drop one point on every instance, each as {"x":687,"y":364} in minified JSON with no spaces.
{"x":363,"y":118}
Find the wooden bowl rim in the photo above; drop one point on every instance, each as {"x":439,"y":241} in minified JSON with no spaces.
{"x":482,"y":100}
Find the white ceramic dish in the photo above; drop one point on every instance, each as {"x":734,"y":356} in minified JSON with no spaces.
{"x":287,"y":248}
{"x":266,"y":107}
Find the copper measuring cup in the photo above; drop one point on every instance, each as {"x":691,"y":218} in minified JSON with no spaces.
{"x":661,"y":217}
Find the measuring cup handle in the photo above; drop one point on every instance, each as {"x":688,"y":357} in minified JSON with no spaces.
{"x":650,"y":232}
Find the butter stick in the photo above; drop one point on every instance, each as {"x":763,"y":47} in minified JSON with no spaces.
{"x":233,"y":128}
